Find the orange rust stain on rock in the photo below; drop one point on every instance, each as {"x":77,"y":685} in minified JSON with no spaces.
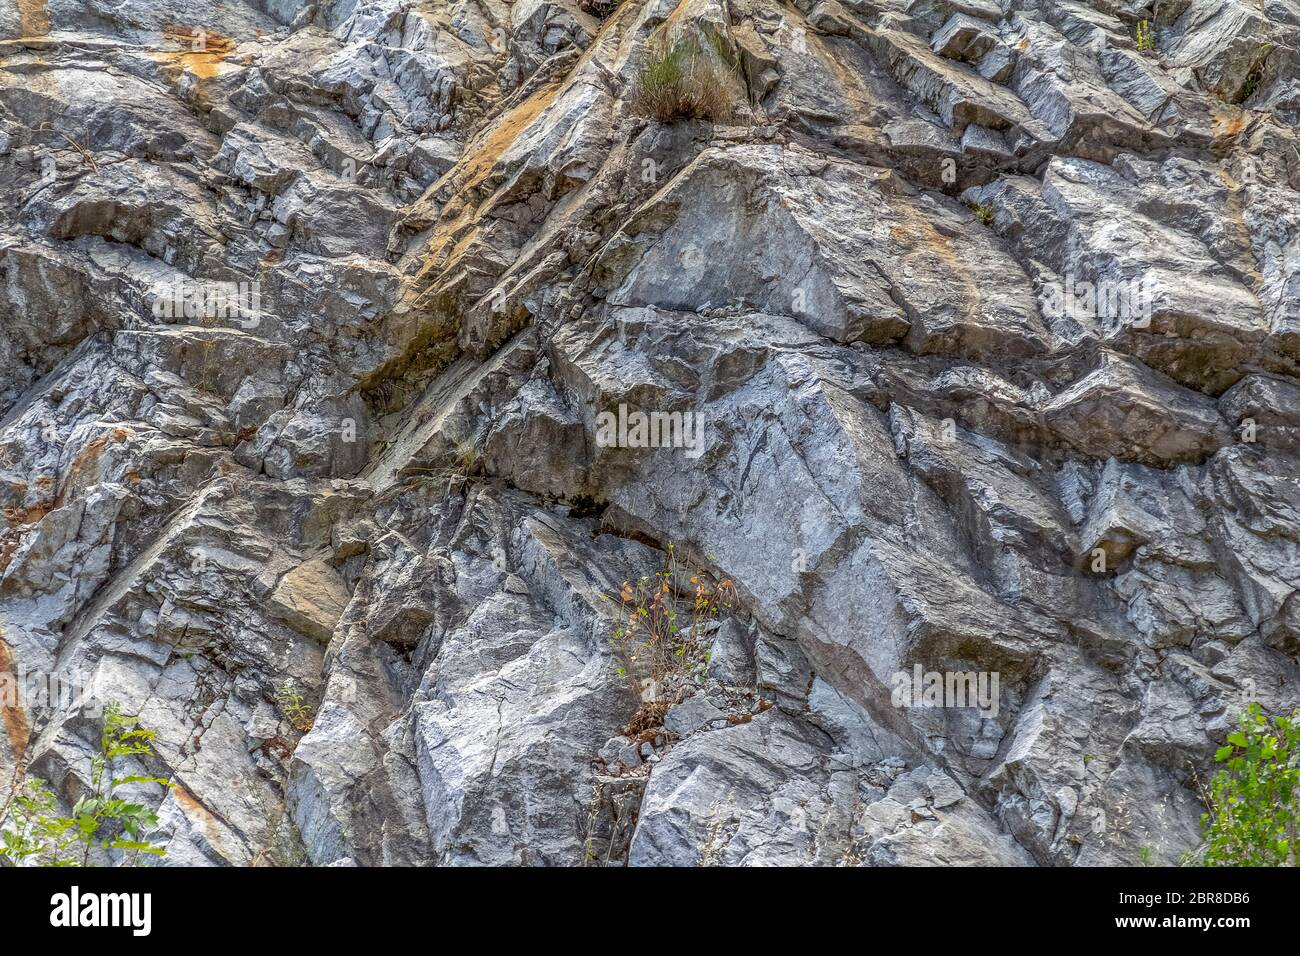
{"x":676,"y":18}
{"x":12,"y":714}
{"x":454,"y":234}
{"x":204,"y":63}
{"x":928,"y":242}
{"x":7,"y":549}
{"x":34,"y":18}
{"x":89,"y":453}
{"x":1234,"y":213}
{"x":16,"y":517}
{"x":198,"y":813}
{"x":479,"y":164}
{"x":83,"y":470}
{"x":920,"y":230}
{"x":1228,"y":125}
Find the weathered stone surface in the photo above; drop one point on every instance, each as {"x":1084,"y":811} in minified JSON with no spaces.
{"x":1124,"y":410}
{"x":970,"y":343}
{"x":311,"y":599}
{"x":964,"y":38}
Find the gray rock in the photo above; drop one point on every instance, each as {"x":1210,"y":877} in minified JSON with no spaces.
{"x":963,"y":38}
{"x":731,"y":656}
{"x":356,"y":546}
{"x":690,"y":715}
{"x":621,"y":750}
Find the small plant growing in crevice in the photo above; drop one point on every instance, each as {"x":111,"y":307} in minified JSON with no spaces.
{"x":455,"y":468}
{"x":590,"y":856}
{"x":86,"y":156}
{"x":1145,"y":36}
{"x":1254,"y":77}
{"x":855,"y":850}
{"x":607,"y":822}
{"x":658,"y":641}
{"x":284,"y":846}
{"x":686,"y":78}
{"x":294,"y":706}
{"x":983,"y":213}
{"x":103,"y":817}
{"x":465,"y":464}
{"x":1254,"y":800}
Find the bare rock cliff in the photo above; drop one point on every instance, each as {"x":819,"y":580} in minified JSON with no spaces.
{"x":971,"y":330}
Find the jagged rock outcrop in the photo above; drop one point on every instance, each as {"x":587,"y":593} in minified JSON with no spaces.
{"x":985,"y":317}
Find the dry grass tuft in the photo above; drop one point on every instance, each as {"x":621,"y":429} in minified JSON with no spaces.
{"x":686,"y":79}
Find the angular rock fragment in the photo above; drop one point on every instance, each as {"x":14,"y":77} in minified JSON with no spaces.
{"x":310,"y":599}
{"x":1126,"y":411}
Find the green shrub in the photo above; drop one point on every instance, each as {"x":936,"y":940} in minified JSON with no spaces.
{"x":294,"y":706}
{"x":1255,"y":799}
{"x":34,"y":832}
{"x":686,"y":79}
{"x":1146,"y":39}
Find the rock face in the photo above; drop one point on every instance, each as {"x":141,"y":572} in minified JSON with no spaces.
{"x":375,"y":351}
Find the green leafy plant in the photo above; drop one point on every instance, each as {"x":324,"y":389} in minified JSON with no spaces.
{"x":103,"y":817}
{"x":1254,"y":800}
{"x":1146,"y":39}
{"x":662,"y":620}
{"x":983,"y":213}
{"x":686,"y":79}
{"x":37,"y":830}
{"x":294,"y":706}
